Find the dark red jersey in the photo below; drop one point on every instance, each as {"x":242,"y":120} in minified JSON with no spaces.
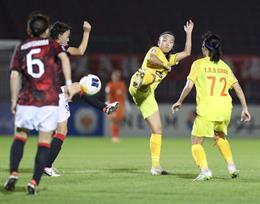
{"x":36,"y":60}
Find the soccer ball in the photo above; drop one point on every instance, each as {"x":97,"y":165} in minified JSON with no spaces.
{"x":90,"y":84}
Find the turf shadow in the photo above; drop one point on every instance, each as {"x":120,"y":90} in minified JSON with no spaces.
{"x":124,"y":170}
{"x":18,"y":189}
{"x":22,"y":170}
{"x":185,"y":175}
{"x":134,"y":171}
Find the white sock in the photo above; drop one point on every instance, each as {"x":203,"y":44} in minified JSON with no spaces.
{"x":231,"y":168}
{"x":205,"y":171}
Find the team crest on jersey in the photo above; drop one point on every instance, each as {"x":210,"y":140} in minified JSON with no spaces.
{"x":159,"y":74}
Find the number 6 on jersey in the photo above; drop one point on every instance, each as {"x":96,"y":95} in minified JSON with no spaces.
{"x":31,"y":62}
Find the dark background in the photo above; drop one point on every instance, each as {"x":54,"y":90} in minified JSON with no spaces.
{"x":122,"y":29}
{"x":133,"y":26}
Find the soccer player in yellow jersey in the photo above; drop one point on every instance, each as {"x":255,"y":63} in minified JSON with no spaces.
{"x":156,"y":65}
{"x":213,"y":79}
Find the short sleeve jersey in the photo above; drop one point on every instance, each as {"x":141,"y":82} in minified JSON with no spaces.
{"x":36,"y":60}
{"x":213,"y":82}
{"x":159,"y":71}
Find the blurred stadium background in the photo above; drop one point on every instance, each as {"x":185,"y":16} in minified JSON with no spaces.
{"x":122,"y":32}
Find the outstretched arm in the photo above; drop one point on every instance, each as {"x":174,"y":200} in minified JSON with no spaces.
{"x":187,"y":50}
{"x":185,"y":92}
{"x":245,"y":115}
{"x":84,"y":42}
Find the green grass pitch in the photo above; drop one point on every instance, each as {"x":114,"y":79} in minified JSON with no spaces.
{"x":95,"y":171}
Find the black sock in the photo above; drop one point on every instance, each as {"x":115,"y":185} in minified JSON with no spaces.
{"x":40,"y":161}
{"x":93,"y":101}
{"x":56,"y":144}
{"x":16,"y":153}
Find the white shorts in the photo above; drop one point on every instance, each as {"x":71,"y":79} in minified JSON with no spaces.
{"x":64,"y":109}
{"x":38,"y":118}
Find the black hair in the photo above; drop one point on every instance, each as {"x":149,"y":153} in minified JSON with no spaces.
{"x":166,"y":33}
{"x":58,"y":28}
{"x":37,"y":24}
{"x":213,"y":43}
{"x":167,"y":55}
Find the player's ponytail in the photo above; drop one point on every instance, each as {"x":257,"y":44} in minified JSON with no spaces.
{"x":58,"y":28}
{"x":213,"y":43}
{"x":37,"y":24}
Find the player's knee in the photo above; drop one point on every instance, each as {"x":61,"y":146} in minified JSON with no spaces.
{"x":196,"y":140}
{"x":219,"y":135}
{"x":62,"y":130}
{"x":157,"y":129}
{"x":22,"y":132}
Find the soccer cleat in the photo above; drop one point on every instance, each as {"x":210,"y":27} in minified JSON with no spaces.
{"x":10,"y":183}
{"x":31,"y":189}
{"x":204,"y":176}
{"x":234,"y":173}
{"x":112,"y":107}
{"x":51,"y":172}
{"x":155,"y":171}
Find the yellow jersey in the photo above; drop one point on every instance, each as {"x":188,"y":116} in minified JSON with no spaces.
{"x":159,"y":71}
{"x":213,"y":82}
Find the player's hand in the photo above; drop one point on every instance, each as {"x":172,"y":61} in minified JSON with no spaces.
{"x":245,"y":116}
{"x":168,"y":68}
{"x":189,"y":26}
{"x":86,"y":26}
{"x":71,"y":90}
{"x":68,"y":92}
{"x":13,"y":107}
{"x":175,"y":107}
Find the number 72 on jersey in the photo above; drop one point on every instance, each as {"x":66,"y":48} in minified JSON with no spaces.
{"x":218,"y":82}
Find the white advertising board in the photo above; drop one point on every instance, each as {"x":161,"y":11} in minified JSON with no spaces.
{"x":180,"y":124}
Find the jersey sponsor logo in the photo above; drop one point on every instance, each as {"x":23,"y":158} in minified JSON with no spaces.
{"x":159,"y":74}
{"x":35,"y":44}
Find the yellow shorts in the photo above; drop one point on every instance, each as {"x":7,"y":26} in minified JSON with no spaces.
{"x":145,"y":101}
{"x":204,"y":128}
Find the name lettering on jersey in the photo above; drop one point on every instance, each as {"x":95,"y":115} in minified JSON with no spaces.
{"x":36,"y":43}
{"x":215,"y":70}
